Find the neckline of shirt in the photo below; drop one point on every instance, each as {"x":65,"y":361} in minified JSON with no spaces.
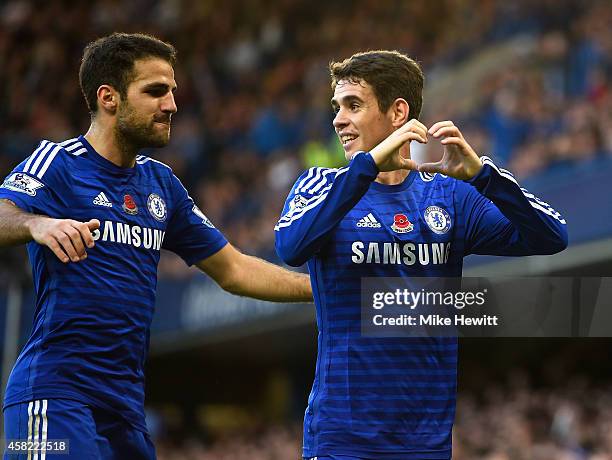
{"x":386,"y":188}
{"x":106,"y":164}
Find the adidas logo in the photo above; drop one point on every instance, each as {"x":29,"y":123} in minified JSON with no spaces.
{"x":369,"y":221}
{"x":101,"y":200}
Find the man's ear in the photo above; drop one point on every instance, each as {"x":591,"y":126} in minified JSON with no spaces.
{"x":108,"y":98}
{"x":400,"y":112}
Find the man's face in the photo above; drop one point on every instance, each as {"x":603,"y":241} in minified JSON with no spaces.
{"x":143,"y":119}
{"x":359,"y":123}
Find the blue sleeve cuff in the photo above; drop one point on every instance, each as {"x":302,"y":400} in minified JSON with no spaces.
{"x":365,"y":161}
{"x":480,"y":180}
{"x":197,"y":256}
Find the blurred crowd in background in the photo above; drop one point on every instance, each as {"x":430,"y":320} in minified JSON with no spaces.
{"x":254,"y":90}
{"x":511,"y":421}
{"x":253,"y":97}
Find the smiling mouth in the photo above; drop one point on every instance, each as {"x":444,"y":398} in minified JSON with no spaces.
{"x":347,"y":139}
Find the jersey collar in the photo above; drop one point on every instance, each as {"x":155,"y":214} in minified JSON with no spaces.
{"x":385,"y":188}
{"x":103,"y":162}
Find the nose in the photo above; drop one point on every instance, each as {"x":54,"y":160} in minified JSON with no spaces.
{"x":340,"y":120}
{"x":169,"y":104}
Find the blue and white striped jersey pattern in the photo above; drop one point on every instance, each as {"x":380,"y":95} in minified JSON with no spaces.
{"x":91,"y":327}
{"x":394,"y":398}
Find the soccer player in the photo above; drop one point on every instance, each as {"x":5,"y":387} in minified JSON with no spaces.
{"x":394,"y":398}
{"x":95,"y":215}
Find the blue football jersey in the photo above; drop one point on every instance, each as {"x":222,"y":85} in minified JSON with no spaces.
{"x":394,"y":398}
{"x":91,"y":327}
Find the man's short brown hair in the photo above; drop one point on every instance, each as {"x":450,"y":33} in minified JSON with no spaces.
{"x":110,"y":61}
{"x":391,"y":74}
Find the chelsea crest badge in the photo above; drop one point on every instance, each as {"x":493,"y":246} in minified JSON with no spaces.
{"x":438,"y":220}
{"x":157,"y":207}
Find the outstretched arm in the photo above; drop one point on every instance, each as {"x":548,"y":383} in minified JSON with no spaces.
{"x":250,"y":276}
{"x":67,"y":238}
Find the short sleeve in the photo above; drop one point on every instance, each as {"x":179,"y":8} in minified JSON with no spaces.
{"x":190,"y":234}
{"x":36,"y":185}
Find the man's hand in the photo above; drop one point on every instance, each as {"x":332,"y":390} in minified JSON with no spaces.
{"x":387,"y":156}
{"x":459,"y":159}
{"x":65,"y":237}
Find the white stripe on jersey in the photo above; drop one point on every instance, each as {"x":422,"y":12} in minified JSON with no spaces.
{"x":313,"y":185}
{"x":311,"y":172}
{"x":30,"y":404}
{"x":41,"y":156}
{"x":506,"y":173}
{"x":312,"y":181}
{"x":36,"y":426}
{"x":69,"y":146}
{"x":310,"y":200}
{"x":43,"y":145}
{"x":46,"y":152}
{"x":314,"y":201}
{"x":324,"y":180}
{"x":304,"y":204}
{"x":426,"y":177}
{"x":43,"y":452}
{"x":551,"y":212}
{"x":320,"y":198}
{"x":146,"y":159}
{"x":537,"y":203}
{"x":50,"y":158}
{"x":78,"y":152}
{"x":535,"y":198}
{"x":72,"y":147}
{"x":68,"y":141}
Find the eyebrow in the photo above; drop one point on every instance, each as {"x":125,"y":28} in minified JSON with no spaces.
{"x":346,"y":100}
{"x":151,"y":86}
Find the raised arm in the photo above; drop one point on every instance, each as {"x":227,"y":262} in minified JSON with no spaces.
{"x":319,"y":200}
{"x":501,"y":218}
{"x":321,"y":197}
{"x":504,"y":219}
